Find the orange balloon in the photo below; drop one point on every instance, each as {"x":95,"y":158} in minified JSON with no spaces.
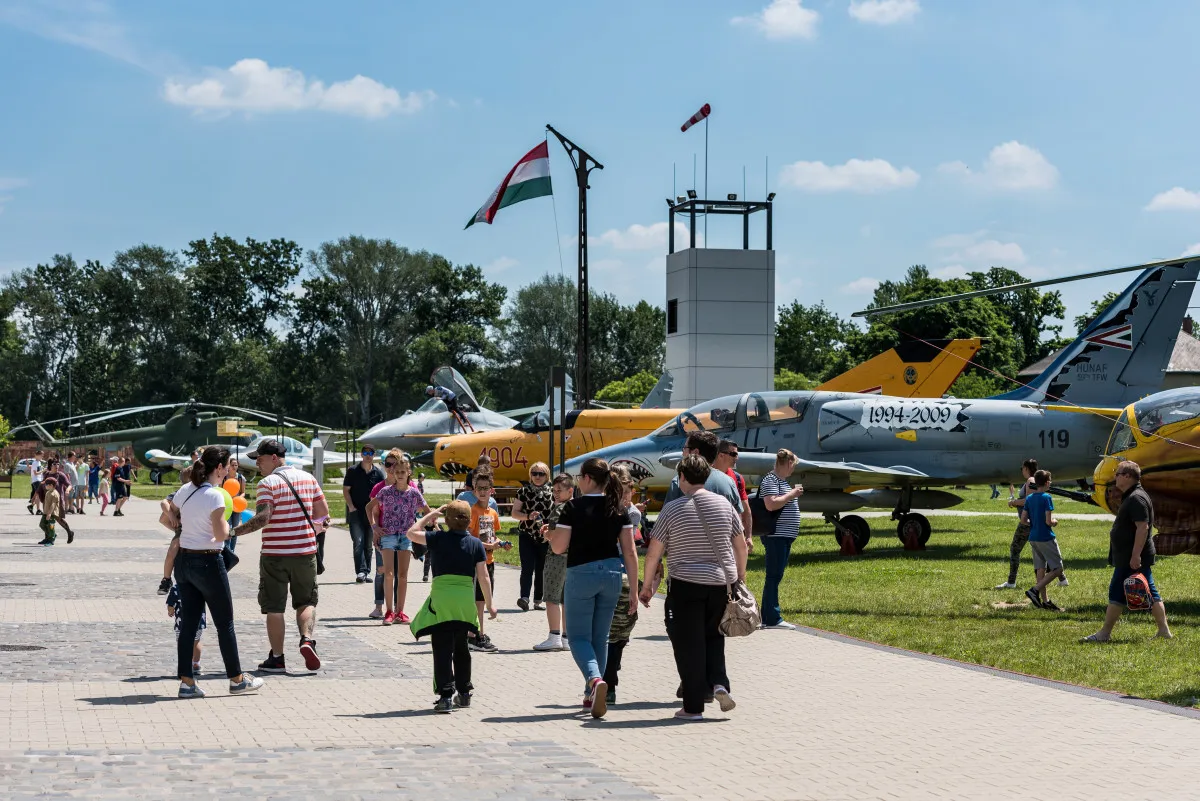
{"x":232,"y":486}
{"x":239,"y":503}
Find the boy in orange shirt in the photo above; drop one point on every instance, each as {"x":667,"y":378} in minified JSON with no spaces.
{"x":485,"y":524}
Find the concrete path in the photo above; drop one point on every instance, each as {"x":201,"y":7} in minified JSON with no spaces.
{"x":88,"y":707}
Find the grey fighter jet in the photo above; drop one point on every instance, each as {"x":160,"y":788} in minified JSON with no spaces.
{"x":901,"y":450}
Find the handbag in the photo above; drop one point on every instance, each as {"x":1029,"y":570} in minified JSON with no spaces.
{"x":764,"y":519}
{"x":741,"y":616}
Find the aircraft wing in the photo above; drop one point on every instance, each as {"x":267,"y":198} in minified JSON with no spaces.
{"x":821,"y":474}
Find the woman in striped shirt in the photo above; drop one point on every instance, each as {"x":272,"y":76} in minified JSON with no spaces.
{"x":706,"y":552}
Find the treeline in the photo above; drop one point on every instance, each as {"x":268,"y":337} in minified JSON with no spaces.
{"x":813,"y":344}
{"x":345,"y":334}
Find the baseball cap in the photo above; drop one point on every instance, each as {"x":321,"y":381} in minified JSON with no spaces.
{"x":458,"y":515}
{"x":268,"y":447}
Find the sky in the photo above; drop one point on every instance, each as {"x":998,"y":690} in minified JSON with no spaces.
{"x":1051,"y":138}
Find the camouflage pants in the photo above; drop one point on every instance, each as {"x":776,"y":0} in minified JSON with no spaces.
{"x":623,"y":623}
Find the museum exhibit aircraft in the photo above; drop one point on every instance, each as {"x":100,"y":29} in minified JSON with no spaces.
{"x":913,"y":369}
{"x":1160,"y":432}
{"x":168,"y":445}
{"x":898,"y":451}
{"x":418,"y":430}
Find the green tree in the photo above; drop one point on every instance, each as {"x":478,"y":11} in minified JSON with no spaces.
{"x":809,"y":339}
{"x":631,"y":391}
{"x":786,"y":379}
{"x":1014,"y":328}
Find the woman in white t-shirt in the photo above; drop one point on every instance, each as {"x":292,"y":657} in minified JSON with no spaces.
{"x":200,"y":571}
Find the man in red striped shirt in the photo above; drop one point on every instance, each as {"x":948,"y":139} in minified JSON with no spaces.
{"x":291,"y":510}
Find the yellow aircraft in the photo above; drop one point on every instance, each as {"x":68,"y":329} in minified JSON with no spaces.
{"x":1160,"y":432}
{"x":911,"y":370}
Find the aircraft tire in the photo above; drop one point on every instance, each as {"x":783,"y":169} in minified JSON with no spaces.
{"x":914,"y":519}
{"x":859,"y":528}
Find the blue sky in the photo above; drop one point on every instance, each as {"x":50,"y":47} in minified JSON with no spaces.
{"x":1052,"y":138}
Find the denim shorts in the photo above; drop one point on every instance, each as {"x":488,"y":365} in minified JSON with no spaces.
{"x":395,"y":542}
{"x":1116,"y":587}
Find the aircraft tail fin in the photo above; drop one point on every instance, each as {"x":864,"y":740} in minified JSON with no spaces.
{"x":1122,"y":354}
{"x":544,"y":412}
{"x":912,"y":369}
{"x":660,"y":396}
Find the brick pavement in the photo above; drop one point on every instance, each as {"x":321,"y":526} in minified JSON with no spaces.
{"x":94,"y":714}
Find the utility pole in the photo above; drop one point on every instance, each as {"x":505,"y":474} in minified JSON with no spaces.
{"x":580,"y":159}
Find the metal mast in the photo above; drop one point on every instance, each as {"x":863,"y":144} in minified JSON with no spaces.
{"x":580,"y":158}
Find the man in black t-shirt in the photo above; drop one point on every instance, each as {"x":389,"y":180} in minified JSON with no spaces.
{"x":356,"y":489}
{"x":1131,"y":551}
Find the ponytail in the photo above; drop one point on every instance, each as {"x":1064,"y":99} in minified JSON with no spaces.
{"x":609,"y":480}
{"x":211,"y":458}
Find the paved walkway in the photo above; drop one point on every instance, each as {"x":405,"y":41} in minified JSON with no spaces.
{"x":92,"y":713}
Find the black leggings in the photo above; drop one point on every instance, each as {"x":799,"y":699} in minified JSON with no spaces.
{"x":693,"y":613}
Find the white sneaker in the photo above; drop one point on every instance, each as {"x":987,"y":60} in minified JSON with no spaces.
{"x":248,"y":684}
{"x":552,"y":643}
{"x":1008,"y":585}
{"x":782,"y":624}
{"x":1062,"y":581}
{"x":724,"y":698}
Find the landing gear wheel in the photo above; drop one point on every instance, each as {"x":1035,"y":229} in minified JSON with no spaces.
{"x":913,"y":523}
{"x":859,"y":529}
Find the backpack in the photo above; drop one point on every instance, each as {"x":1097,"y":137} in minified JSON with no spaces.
{"x":1137,"y":593}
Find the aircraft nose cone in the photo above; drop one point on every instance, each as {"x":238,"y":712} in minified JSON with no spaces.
{"x":376,"y":433}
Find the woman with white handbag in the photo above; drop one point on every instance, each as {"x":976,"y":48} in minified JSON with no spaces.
{"x":706,"y":559}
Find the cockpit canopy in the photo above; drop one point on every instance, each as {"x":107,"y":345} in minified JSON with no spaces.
{"x":433,"y":406}
{"x":737,"y":411}
{"x":1166,"y":408}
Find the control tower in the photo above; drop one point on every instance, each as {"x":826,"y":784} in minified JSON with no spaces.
{"x":720,"y":306}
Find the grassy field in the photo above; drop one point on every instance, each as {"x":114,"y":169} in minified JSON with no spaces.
{"x":940,"y":601}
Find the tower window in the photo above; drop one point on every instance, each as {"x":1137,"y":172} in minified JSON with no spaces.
{"x":672,"y":316}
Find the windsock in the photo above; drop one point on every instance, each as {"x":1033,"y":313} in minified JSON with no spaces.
{"x":704,"y":111}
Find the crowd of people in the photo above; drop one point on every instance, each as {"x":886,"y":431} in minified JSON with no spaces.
{"x":61,"y":486}
{"x":578,"y":540}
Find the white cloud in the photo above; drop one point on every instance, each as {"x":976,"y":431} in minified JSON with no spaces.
{"x":8,"y":184}
{"x":643,"y":237}
{"x":884,"y":12}
{"x":91,"y":25}
{"x":949,"y":271}
{"x":978,"y":251}
{"x":500,"y":264}
{"x":1193,"y":250}
{"x":856,"y":175}
{"x":1011,"y":165}
{"x":784,"y":19}
{"x":1175,"y":199}
{"x":861,"y":286}
{"x":253,"y":85}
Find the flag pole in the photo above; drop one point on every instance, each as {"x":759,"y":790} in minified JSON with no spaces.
{"x":580,"y":158}
{"x":706,"y":178}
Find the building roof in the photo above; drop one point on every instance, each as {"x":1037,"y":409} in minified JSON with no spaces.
{"x":1185,"y":358}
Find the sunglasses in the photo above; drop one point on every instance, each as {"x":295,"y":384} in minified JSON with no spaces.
{"x":734,"y":454}
{"x":368,"y":453}
{"x":538,"y":474}
{"x":390,"y":464}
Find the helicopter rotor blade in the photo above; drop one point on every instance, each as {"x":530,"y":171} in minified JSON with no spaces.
{"x":134,"y":410}
{"x":265,"y":415}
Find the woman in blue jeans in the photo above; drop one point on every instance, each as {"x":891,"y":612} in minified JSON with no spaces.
{"x":588,"y":532}
{"x":779,"y":495}
{"x":200,"y":572}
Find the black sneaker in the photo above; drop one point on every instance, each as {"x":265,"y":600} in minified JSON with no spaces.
{"x":1053,"y":607}
{"x":1035,"y":598}
{"x":462,"y":700}
{"x":30,"y":508}
{"x":164,"y":586}
{"x":274,"y":664}
{"x":523,"y":603}
{"x":70,"y":536}
{"x":308,"y":649}
{"x":118,"y":513}
{"x":444,"y":705}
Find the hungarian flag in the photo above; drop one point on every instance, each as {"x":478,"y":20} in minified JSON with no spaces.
{"x":530,"y":178}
